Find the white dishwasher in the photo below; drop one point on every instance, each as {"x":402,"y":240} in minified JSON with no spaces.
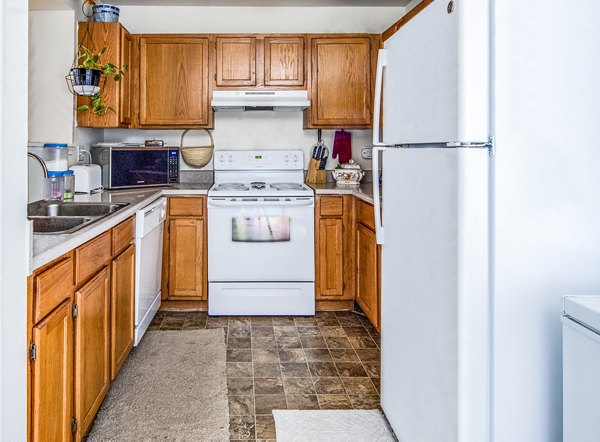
{"x":149,"y":224}
{"x":581,"y":368}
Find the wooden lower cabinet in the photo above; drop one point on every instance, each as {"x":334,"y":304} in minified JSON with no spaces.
{"x":330,"y":257}
{"x":334,"y":250}
{"x":185,"y":251}
{"x":186,"y":243}
{"x":122,"y":313}
{"x":367,"y":275}
{"x":368,"y":263}
{"x":92,"y":348}
{"x":80,"y":331}
{"x":52,"y":376}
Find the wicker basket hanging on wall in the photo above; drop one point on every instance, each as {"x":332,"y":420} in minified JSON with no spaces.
{"x":197,"y":156}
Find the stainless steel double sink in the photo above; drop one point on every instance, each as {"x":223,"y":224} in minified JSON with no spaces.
{"x":61,"y":218}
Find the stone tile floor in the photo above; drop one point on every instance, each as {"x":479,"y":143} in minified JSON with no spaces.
{"x":329,"y":361}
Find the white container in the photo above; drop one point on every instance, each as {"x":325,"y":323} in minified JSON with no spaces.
{"x":56,"y":156}
{"x":87,"y":178}
{"x":348,"y":174}
{"x":581,"y":365}
{"x":54,"y":186}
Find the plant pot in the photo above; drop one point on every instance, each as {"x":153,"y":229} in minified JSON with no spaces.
{"x":86,"y":81}
{"x":105,"y":13}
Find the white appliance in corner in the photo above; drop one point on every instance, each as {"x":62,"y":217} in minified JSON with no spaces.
{"x":433,"y":224}
{"x":581,"y":360}
{"x":149,"y":224}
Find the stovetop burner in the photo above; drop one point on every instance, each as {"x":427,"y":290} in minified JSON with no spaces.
{"x":232,"y":186}
{"x":287,"y":186}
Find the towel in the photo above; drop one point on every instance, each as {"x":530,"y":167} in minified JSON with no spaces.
{"x":342,"y":146}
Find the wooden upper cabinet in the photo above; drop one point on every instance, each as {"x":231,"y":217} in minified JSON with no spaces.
{"x":236,"y":61}
{"x":116,"y":94}
{"x":284,"y":61}
{"x":125,"y":83}
{"x":52,"y":376}
{"x":173,"y":81}
{"x":341,"y":82}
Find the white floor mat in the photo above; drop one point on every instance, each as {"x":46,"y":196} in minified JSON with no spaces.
{"x":331,"y":426}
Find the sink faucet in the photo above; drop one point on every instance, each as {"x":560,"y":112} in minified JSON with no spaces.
{"x":39,"y":160}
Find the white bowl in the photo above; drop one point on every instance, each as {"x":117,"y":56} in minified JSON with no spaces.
{"x":86,"y":90}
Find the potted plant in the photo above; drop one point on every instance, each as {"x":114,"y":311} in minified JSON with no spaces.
{"x":87,"y":76}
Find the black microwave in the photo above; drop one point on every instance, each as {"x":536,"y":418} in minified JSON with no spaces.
{"x":139,"y":166}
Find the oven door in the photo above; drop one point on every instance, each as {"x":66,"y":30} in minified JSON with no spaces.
{"x":261,"y":239}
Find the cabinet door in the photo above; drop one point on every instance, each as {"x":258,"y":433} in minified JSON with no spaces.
{"x":114,"y":93}
{"x":92,"y":348}
{"x":125,"y":82}
{"x":122,"y":314}
{"x":52,"y":376}
{"x":367,"y":290}
{"x":236,"y":61}
{"x":173,"y":81}
{"x":186,"y":258}
{"x":284,"y":61}
{"x":341,"y":82}
{"x":330,"y":263}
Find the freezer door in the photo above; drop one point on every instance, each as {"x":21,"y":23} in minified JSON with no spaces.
{"x":434,"y":293}
{"x":436,"y":76}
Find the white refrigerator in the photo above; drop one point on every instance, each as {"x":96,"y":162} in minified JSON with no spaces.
{"x":432,"y":220}
{"x":472,"y":363}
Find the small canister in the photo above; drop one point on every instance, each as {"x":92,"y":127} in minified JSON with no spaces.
{"x":55,"y":186}
{"x":69,"y":192}
{"x":56,"y":156}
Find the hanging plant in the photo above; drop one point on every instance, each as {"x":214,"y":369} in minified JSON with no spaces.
{"x":88,"y":77}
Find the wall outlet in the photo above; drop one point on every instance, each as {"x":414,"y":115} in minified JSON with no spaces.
{"x":366,"y":153}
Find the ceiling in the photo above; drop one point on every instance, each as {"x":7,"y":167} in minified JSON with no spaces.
{"x":70,"y":4}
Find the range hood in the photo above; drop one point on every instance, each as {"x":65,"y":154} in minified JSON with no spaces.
{"x":259,"y":100}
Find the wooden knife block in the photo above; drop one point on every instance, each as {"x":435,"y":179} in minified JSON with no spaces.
{"x":314,"y":175}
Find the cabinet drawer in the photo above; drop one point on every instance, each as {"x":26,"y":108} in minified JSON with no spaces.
{"x":122,"y":235}
{"x":186,"y":206}
{"x":364,"y":214}
{"x":331,"y":206}
{"x":51,"y":288}
{"x":92,"y":256}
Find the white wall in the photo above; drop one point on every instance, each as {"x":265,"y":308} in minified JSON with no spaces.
{"x":250,"y":130}
{"x":14,"y":229}
{"x":547,"y":202}
{"x":207,"y":19}
{"x":51,"y":52}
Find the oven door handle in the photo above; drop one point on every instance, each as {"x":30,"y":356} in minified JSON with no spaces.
{"x":260,"y":203}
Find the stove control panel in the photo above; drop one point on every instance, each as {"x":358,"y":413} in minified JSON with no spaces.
{"x":259,"y":160}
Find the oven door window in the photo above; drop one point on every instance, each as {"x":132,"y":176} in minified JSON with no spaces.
{"x":260,"y":229}
{"x":139,"y":167}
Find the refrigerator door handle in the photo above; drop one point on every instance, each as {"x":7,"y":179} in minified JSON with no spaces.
{"x":381,"y":63}
{"x":377,"y":193}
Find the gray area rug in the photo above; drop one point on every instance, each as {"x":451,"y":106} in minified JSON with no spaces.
{"x":172,"y":387}
{"x":331,"y":426}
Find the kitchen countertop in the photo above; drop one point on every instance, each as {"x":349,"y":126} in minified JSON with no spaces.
{"x":364,"y":191}
{"x":45,"y":248}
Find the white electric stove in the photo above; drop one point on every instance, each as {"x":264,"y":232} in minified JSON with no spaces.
{"x":261,"y":235}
